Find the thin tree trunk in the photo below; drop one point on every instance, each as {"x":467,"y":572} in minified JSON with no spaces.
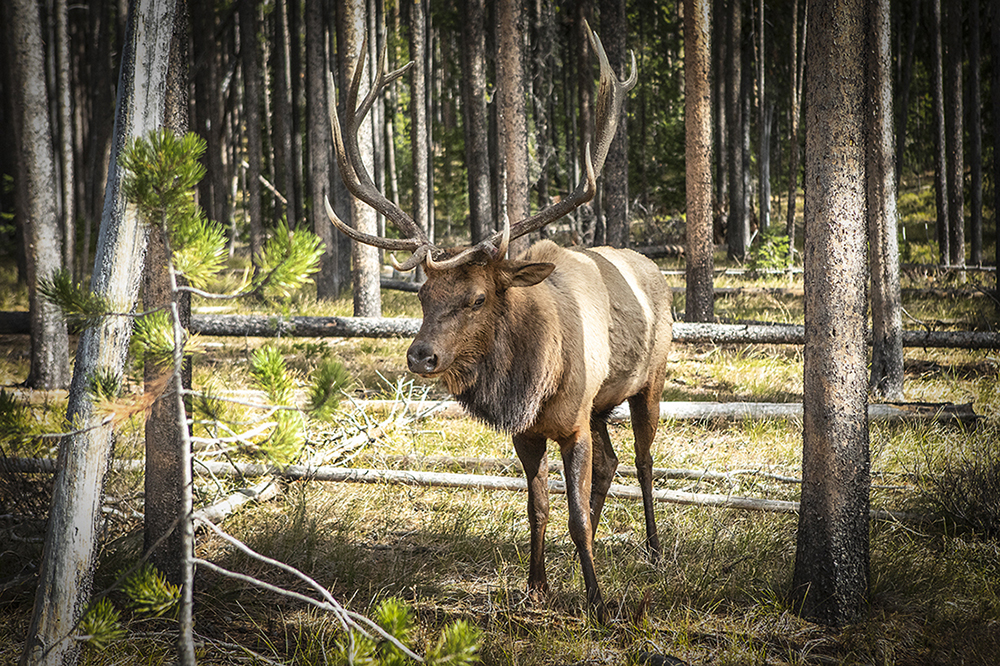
{"x":940,"y":142}
{"x":319,"y":139}
{"x":512,"y":113}
{"x":720,"y":59}
{"x":830,"y":582}
{"x":476,"y":118}
{"x":886,"y":379}
{"x":904,"y":87}
{"x":953,"y":120}
{"x":419,"y":138}
{"x":698,"y":145}
{"x":284,"y":165}
{"x":585,"y":109}
{"x":65,"y":105}
{"x":614,"y":30}
{"x":353,"y":19}
{"x":38,"y":194}
{"x":737,"y":219}
{"x":764,"y":128}
{"x":252,"y":98}
{"x":67,"y":566}
{"x":995,"y":88}
{"x":975,"y":140}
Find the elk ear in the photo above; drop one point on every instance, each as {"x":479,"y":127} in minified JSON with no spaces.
{"x":526,"y":274}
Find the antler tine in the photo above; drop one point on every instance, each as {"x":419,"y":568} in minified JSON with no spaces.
{"x":610,"y":97}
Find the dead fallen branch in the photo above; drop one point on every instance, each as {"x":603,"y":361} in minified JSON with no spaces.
{"x":794,"y":334}
{"x":473,"y":481}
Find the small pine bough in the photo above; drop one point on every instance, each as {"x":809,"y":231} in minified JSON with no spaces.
{"x":542,"y":346}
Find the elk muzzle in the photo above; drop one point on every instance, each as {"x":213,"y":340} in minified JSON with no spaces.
{"x":422,"y":358}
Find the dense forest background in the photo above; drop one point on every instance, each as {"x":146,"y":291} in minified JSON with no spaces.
{"x":257,"y":95}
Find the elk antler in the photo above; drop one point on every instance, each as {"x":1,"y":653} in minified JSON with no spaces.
{"x":610,"y":97}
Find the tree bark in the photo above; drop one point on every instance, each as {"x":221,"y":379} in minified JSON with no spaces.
{"x":953,"y":120}
{"x":975,"y":141}
{"x":798,"y":64}
{"x":614,"y":31}
{"x":700,"y":296}
{"x":285,"y":166}
{"x":319,"y":142}
{"x":252,"y":98}
{"x":512,"y":114}
{"x":940,"y":141}
{"x":419,"y":134}
{"x":995,"y":89}
{"x":830,"y":582}
{"x":67,"y":172}
{"x":886,"y":379}
{"x":352,"y":19}
{"x":67,"y":566}
{"x":764,"y":112}
{"x":475,"y":117}
{"x":43,"y":239}
{"x":720,"y":58}
{"x":906,"y":79}
{"x":737,"y":224}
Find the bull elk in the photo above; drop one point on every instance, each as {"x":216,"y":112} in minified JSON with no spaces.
{"x":543,"y":346}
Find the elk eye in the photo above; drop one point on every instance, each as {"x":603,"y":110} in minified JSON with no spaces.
{"x":479,"y":301}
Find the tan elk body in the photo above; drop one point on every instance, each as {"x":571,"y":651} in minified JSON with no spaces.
{"x":544,"y":346}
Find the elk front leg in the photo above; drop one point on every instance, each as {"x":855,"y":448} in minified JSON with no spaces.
{"x":604,"y":465}
{"x":645,"y":409}
{"x":530,"y":451}
{"x":577,"y":458}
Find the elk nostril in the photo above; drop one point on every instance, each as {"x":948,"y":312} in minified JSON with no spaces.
{"x":421,"y":359}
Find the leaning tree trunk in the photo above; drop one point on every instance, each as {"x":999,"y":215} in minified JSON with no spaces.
{"x":42,"y":233}
{"x":830,"y":582}
{"x":886,"y":378}
{"x":67,"y":567}
{"x":698,"y":149}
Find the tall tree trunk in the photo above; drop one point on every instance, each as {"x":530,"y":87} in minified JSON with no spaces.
{"x":736,"y":224}
{"x":614,"y":30}
{"x":886,"y":379}
{"x":419,"y":137}
{"x":720,"y":83}
{"x":64,"y":104}
{"x":252,"y":98}
{"x":995,"y":93}
{"x":975,"y":140}
{"x":764,"y":128}
{"x":830,"y":582}
{"x":353,"y":24}
{"x":906,"y":79}
{"x":67,"y":567}
{"x":585,"y":109}
{"x":700,"y":294}
{"x":319,"y":139}
{"x":165,"y":455}
{"x":512,"y":114}
{"x":940,"y":142}
{"x":43,"y":238}
{"x":284,"y":164}
{"x":476,"y":118}
{"x":953,"y":120}
{"x":798,"y":64}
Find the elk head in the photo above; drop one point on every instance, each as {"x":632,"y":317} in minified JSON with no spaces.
{"x":465,"y":287}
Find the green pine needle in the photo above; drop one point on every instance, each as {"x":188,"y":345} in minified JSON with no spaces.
{"x":101,"y":626}
{"x":149,"y":593}
{"x":80,"y":307}
{"x":287,"y":261}
{"x":329,"y":380}
{"x":458,"y":645}
{"x":153,"y":338}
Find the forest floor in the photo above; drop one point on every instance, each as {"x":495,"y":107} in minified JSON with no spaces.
{"x":719,"y":594}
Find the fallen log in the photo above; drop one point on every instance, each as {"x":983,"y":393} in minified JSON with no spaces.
{"x":794,"y":334}
{"x":304,"y":327}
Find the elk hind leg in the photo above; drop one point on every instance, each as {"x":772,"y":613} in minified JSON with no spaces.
{"x":605,"y":462}
{"x":645,"y":409}
{"x":530,"y":451}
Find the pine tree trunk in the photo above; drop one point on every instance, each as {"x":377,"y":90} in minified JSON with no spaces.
{"x":830,"y":582}
{"x":886,"y":379}
{"x":698,"y":144}
{"x":252,"y":98}
{"x":975,"y":141}
{"x":737,"y":218}
{"x":512,"y":114}
{"x":67,"y":567}
{"x":953,"y":120}
{"x":38,"y":194}
{"x":614,"y":31}
{"x":940,"y":141}
{"x":476,"y":118}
